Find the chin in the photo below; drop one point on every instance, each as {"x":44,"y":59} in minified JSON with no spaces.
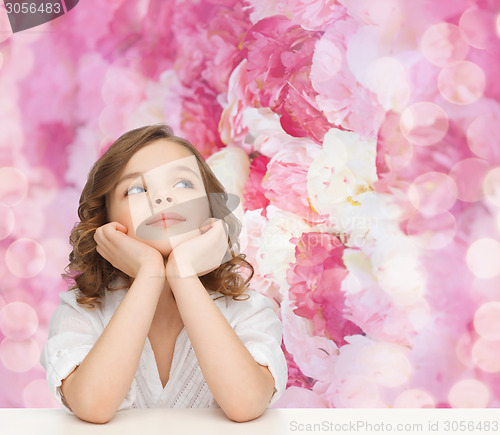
{"x":162,"y":246}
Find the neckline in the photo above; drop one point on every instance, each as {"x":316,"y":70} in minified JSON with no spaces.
{"x":154,"y":365}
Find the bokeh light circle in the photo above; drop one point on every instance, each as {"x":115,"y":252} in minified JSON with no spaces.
{"x":18,"y":320}
{"x":7,"y":221}
{"x":461,"y":82}
{"x":14,"y":186}
{"x":357,"y":391}
{"x":486,"y":355}
{"x":487,"y":320}
{"x":401,"y":279}
{"x":37,"y":395}
{"x":432,"y":232}
{"x":424,"y":123}
{"x":387,"y":78}
{"x":443,"y":43}
{"x":31,"y":219}
{"x":491,"y":186}
{"x":387,"y":365}
{"x":414,"y":398}
{"x":469,"y":393}
{"x":19,"y":356}
{"x":398,"y":150}
{"x":468,"y":175}
{"x":482,"y":136}
{"x":43,"y":185}
{"x":478,"y":27}
{"x":483,"y":258}
{"x":463,"y":349}
{"x":433,"y":193}
{"x":25,"y":258}
{"x":419,"y":314}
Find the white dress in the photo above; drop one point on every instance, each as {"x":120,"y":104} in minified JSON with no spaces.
{"x":74,"y":330}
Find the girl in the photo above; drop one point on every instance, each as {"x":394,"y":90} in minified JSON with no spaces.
{"x":160,"y":314}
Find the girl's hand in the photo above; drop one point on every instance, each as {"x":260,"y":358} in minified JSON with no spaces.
{"x":126,"y":253}
{"x":201,"y":254}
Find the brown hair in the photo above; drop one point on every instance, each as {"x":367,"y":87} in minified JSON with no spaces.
{"x":90,"y":273}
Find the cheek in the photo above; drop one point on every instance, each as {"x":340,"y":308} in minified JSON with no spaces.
{"x":139,"y":210}
{"x":197,"y":210}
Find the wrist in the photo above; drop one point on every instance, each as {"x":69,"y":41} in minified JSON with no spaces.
{"x":176,"y":272}
{"x":152,"y":270}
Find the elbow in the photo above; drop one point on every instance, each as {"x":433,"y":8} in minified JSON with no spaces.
{"x":94,"y":415}
{"x":242,"y":410}
{"x":88,"y":403}
{"x":92,"y":409}
{"x":240,"y":415}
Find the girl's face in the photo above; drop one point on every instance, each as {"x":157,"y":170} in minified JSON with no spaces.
{"x":160,"y":196}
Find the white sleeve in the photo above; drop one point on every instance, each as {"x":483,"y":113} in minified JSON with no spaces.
{"x":260,"y":330}
{"x":71,"y":336}
{"x":73,"y":331}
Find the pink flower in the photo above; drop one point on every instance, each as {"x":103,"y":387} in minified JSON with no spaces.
{"x":208,"y":39}
{"x":92,"y":69}
{"x":343,"y":100}
{"x":232,"y":125}
{"x":279,"y":56}
{"x":285,"y":186}
{"x":295,"y":376}
{"x":313,"y":14}
{"x":315,"y":281}
{"x":58,"y":92}
{"x":297,"y":397}
{"x":200,"y":118}
{"x":49,"y":148}
{"x":285,"y":182}
{"x":122,"y":90}
{"x":254,"y":192}
{"x":96,"y":28}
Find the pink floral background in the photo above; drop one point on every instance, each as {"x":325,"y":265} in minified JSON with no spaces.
{"x":361,"y":136}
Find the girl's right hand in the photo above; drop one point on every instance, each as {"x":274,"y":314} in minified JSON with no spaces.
{"x":124,"y":252}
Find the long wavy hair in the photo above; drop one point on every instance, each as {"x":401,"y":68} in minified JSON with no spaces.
{"x":91,"y":275}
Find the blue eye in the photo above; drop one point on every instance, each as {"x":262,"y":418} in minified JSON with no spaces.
{"x":135,"y":189}
{"x":184,"y":183}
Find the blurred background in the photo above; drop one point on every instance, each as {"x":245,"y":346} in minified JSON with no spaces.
{"x":361,"y":136}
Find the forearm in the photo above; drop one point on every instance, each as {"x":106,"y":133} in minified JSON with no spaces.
{"x":97,"y":388}
{"x":241,"y":387}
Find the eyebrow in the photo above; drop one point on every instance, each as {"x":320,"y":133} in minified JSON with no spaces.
{"x":134,"y":175}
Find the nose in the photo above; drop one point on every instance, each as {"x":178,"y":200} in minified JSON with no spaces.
{"x":161,"y":196}
{"x":166,"y":200}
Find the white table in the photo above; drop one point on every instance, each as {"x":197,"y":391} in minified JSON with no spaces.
{"x":137,"y":422}
{"x":273,"y":422}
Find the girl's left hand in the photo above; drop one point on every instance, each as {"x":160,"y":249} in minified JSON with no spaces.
{"x":201,"y":254}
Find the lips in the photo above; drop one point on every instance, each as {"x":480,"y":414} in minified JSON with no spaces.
{"x":165,"y":218}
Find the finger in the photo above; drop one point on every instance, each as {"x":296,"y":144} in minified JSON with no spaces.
{"x":209,"y":223}
{"x":113,"y":232}
{"x":119,"y":227}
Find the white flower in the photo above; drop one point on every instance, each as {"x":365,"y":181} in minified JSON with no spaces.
{"x":275,"y":252}
{"x":339,"y":184}
{"x":231,"y":166}
{"x":267,"y":135}
{"x":314,"y":355}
